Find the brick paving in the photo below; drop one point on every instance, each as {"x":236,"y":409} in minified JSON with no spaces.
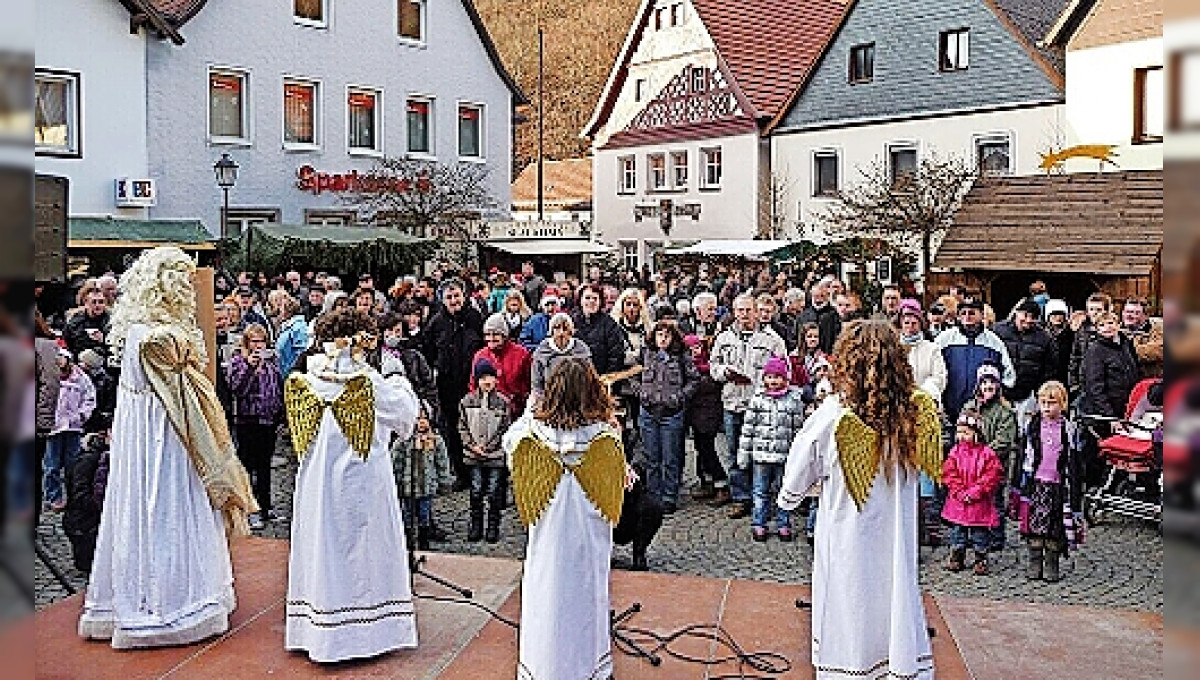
{"x":1121,"y":566}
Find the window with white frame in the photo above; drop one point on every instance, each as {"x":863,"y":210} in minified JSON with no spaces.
{"x":410,"y":20}
{"x":364,"y":117}
{"x":1149,"y":113}
{"x":470,"y":131}
{"x":679,"y":169}
{"x":311,"y":12}
{"x":993,"y":155}
{"x":711,"y":167}
{"x":825,"y":173}
{"x":699,"y":79}
{"x":240,"y":219}
{"x":629,"y":253}
{"x":628,"y":174}
{"x":902,"y":163}
{"x":228,"y":106}
{"x":639,"y":90}
{"x":56,"y":113}
{"x":419,"y":116}
{"x":862,"y":63}
{"x":330,"y":218}
{"x":954,"y":50}
{"x":301,"y":107}
{"x":656,"y":168}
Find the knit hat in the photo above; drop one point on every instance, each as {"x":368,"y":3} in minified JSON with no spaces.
{"x":1031,"y":307}
{"x":91,"y":359}
{"x":972,"y":420}
{"x":1057,"y":307}
{"x":550,"y":297}
{"x":691,"y":340}
{"x":912,"y":307}
{"x":483,"y":368}
{"x":776,"y":366}
{"x":496,"y":323}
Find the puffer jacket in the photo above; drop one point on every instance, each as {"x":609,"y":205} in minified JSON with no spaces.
{"x":770,"y":425}
{"x":1110,"y":371}
{"x":421,"y":472}
{"x":483,"y":420}
{"x":999,"y":426}
{"x":746,"y":356}
{"x":76,"y":401}
{"x":972,"y":473}
{"x":666,"y":383}
{"x":964,"y":352}
{"x":1034,"y":354}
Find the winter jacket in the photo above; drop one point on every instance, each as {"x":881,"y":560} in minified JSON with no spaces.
{"x":292,"y":341}
{"x":514,"y":364}
{"x":420,"y":473}
{"x":705,"y":413}
{"x":999,"y":427}
{"x":45,"y":358}
{"x":1110,"y":371}
{"x":418,"y":373}
{"x":1068,"y":462}
{"x":535,"y":331}
{"x":1034,"y":355}
{"x":929,"y":368}
{"x":1148,"y":344}
{"x":483,"y":420}
{"x":81,"y":517}
{"x":451,"y":340}
{"x":548,"y":354}
{"x":76,"y":401}
{"x":666,"y":382}
{"x":532,"y":289}
{"x":770,"y":425}
{"x":1064,"y":340}
{"x":971,"y":473}
{"x":964,"y":353}
{"x":604,"y":338}
{"x":746,"y":354}
{"x":257,"y":391}
{"x":78,"y":338}
{"x":495,"y":301}
{"x":1084,"y":337}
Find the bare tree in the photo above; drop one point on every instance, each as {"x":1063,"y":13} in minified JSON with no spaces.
{"x":774,"y":195}
{"x":911,"y":210}
{"x":424,"y":198}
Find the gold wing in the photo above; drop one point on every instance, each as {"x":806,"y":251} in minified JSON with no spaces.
{"x":536,"y":472}
{"x":929,"y":436}
{"x":303,"y":408}
{"x":354,"y":410}
{"x":601,"y":473}
{"x":858,"y":454}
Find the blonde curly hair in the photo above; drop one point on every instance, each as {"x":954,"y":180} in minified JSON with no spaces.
{"x":872,"y":374}
{"x":157,"y":290}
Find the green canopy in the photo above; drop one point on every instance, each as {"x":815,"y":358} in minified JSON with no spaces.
{"x":115,"y":232}
{"x":273,"y":247}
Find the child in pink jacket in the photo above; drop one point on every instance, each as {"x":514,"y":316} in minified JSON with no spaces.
{"x":972,"y":473}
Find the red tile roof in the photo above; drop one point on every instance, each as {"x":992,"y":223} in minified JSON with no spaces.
{"x":769,"y":45}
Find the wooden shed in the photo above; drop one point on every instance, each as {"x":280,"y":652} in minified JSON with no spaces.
{"x":1077,"y":232}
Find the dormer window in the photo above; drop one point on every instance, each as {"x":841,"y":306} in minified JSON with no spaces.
{"x":954,"y":50}
{"x":862,"y":63}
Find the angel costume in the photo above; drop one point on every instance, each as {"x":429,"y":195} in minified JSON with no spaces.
{"x":349,"y":595}
{"x":162,"y":574}
{"x":568,"y":486}
{"x":868,"y":619}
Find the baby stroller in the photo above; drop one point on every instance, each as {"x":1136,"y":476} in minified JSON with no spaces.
{"x":1131,"y":451}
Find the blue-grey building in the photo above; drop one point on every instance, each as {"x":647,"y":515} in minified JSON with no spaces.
{"x":301,"y":93}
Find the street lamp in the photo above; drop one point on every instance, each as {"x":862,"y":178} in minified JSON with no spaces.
{"x":226,"y":170}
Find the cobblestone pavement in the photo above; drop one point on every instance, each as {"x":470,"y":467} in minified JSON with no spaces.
{"x":1121,"y":565}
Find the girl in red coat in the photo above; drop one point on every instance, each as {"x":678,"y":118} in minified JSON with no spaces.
{"x":972,"y":473}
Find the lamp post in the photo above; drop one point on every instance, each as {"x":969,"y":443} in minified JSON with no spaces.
{"x":226,"y":170}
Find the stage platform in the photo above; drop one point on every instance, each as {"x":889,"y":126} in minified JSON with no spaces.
{"x":978,"y":639}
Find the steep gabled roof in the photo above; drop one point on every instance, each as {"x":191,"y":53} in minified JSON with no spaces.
{"x":768,"y":47}
{"x":179,"y":12}
{"x":1029,"y":20}
{"x":1092,"y":23}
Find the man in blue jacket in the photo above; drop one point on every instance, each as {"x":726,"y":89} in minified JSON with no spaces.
{"x":965,"y":348}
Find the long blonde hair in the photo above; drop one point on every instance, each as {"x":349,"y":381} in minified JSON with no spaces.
{"x":872,"y":374}
{"x":618,"y":310}
{"x":157,"y":289}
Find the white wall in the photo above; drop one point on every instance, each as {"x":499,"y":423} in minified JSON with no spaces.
{"x":1031,"y":131}
{"x":728,"y":212}
{"x":1100,"y":102}
{"x":91,"y":37}
{"x":1183,"y":35}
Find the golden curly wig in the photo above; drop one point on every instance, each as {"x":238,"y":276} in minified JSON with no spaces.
{"x":574,"y":396}
{"x":872,"y":374}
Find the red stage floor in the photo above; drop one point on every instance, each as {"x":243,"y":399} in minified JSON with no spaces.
{"x":976,"y":639}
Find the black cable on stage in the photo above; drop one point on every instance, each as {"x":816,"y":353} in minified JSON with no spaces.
{"x":478,"y":605}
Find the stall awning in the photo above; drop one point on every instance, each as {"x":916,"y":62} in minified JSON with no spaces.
{"x":337,"y":233}
{"x":550,"y":247}
{"x":116,"y":232}
{"x":733,"y":248}
{"x":1107,"y":223}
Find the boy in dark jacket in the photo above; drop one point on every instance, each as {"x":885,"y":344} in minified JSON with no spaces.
{"x":484,"y":417}
{"x":81,"y":516}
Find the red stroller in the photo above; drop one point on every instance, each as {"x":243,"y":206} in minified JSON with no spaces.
{"x":1132,"y":457}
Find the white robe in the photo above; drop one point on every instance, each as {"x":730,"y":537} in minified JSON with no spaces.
{"x":565,"y":631}
{"x":161,"y":575}
{"x":349,"y":594}
{"x":868,"y":618}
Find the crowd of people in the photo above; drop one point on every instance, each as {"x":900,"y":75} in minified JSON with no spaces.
{"x":733,"y":351}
